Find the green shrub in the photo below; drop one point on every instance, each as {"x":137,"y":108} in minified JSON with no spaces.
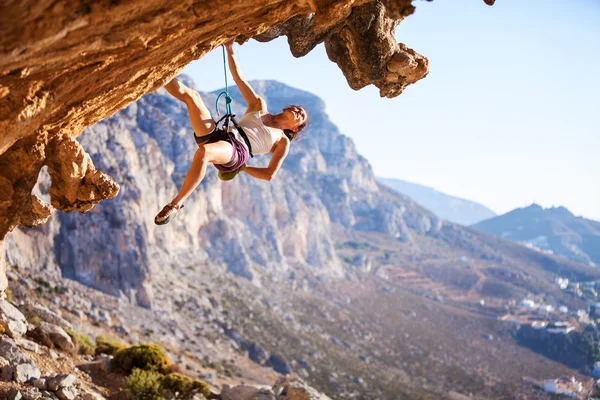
{"x":33,"y":319}
{"x":104,"y":345}
{"x":185,"y":388}
{"x":149,"y":357}
{"x":83,"y":344}
{"x":144,"y":385}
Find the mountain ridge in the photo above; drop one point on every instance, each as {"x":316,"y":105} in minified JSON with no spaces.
{"x":555,"y":230}
{"x":448,"y":207}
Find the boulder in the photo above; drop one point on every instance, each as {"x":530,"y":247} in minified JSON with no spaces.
{"x":244,"y":392}
{"x":61,"y":381}
{"x":295,"y":388}
{"x":28,"y":345}
{"x":25,"y":372}
{"x":31,"y":394}
{"x":11,"y":352}
{"x":41,"y":383}
{"x":57,"y":336}
{"x":12,"y":320}
{"x":46,"y":314}
{"x":67,"y":393}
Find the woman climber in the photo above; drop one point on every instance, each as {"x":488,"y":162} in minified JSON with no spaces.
{"x":228,"y":150}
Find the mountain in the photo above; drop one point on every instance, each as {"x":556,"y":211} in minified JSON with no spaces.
{"x":323,"y":271}
{"x":450,"y":208}
{"x":553,"y":230}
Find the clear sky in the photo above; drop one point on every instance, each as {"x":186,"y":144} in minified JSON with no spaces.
{"x":508,"y":115}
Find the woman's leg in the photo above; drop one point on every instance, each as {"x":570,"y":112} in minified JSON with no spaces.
{"x":200,"y":117}
{"x":217,"y":153}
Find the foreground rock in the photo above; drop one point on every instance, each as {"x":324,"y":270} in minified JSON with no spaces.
{"x":18,"y":365}
{"x":61,"y":381}
{"x":53,"y":336}
{"x":12,"y":320}
{"x":294,"y":388}
{"x":287,"y":388}
{"x":46,"y":314}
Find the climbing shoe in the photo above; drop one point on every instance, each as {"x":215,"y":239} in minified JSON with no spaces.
{"x":167,"y":214}
{"x":227,"y":176}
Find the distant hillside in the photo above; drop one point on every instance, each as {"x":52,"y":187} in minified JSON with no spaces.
{"x":450,"y":208}
{"x":554,"y":230}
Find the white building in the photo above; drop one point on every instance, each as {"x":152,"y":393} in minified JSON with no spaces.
{"x":539,"y":324}
{"x":547,"y":308}
{"x":560,"y":328}
{"x":583,"y":317}
{"x":562,"y":283}
{"x":527,"y":304}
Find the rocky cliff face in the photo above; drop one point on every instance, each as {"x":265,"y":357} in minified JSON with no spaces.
{"x":248,"y":226}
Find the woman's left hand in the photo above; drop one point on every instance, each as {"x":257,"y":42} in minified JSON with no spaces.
{"x":229,"y":44}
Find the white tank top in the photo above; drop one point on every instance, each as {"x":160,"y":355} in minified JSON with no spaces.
{"x":261,"y":137}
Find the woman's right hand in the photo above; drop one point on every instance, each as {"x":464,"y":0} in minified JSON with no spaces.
{"x":229,"y":45}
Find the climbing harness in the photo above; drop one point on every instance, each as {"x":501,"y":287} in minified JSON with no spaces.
{"x":229,"y":116}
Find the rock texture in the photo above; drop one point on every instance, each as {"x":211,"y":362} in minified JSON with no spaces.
{"x":12,"y":321}
{"x":21,"y":366}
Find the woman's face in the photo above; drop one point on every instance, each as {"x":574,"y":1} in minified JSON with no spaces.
{"x":295,"y":116}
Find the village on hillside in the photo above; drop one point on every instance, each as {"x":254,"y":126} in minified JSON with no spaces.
{"x":567,"y":335}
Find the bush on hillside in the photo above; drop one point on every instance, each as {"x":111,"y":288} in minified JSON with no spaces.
{"x":83,"y":344}
{"x":149,"y":357}
{"x":183,"y":387}
{"x":104,"y":345}
{"x":144,"y":385}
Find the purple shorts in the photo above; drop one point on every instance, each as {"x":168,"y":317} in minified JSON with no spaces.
{"x":240,"y":153}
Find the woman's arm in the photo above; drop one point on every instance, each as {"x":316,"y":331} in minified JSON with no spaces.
{"x":255,"y":102}
{"x":279,"y":153}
